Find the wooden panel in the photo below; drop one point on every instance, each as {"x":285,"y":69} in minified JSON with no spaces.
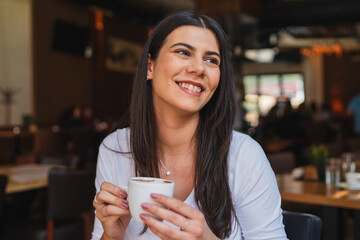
{"x":59,"y":79}
{"x":112,"y":88}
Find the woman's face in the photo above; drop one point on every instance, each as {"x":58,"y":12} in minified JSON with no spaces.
{"x":187,"y":71}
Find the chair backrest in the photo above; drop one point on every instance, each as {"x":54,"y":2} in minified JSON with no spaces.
{"x":302,"y":226}
{"x":3,"y":182}
{"x":70,"y":193}
{"x":282,"y":162}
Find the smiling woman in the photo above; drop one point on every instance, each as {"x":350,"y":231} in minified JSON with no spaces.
{"x":181,"y":119}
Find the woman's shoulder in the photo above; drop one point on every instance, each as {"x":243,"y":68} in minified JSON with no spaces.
{"x":245,"y":151}
{"x":119,"y":140}
{"x":241,"y":139}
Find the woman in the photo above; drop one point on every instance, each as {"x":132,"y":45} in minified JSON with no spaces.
{"x":181,"y":118}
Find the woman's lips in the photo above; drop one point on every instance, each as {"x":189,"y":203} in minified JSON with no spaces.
{"x":191,"y":87}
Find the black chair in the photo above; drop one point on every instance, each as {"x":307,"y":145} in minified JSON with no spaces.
{"x":3,"y":182}
{"x":302,"y":226}
{"x":68,"y":212}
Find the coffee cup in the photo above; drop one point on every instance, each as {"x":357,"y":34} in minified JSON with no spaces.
{"x":353,"y":179}
{"x":139,"y":190}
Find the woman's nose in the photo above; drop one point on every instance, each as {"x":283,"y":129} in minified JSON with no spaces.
{"x":196,"y":66}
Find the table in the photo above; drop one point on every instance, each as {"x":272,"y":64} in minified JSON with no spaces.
{"x":330,"y":197}
{"x":26,"y":177}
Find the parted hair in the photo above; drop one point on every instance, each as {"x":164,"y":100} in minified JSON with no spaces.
{"x":213,"y":133}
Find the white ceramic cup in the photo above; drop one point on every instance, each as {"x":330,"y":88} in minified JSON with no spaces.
{"x":139,"y":190}
{"x":353,"y":179}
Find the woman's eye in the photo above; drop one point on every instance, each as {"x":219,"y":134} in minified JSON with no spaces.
{"x":183,"y":52}
{"x":213,"y":60}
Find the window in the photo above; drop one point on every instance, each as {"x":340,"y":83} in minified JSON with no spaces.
{"x":263,"y":91}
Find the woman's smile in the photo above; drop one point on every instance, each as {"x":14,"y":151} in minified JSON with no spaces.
{"x":192,"y":88}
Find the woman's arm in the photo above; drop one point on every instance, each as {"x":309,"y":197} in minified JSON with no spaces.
{"x":112,"y":213}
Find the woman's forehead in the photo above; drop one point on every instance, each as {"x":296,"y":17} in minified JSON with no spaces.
{"x":193,"y":35}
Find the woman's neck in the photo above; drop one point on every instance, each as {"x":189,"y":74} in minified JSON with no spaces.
{"x":175,"y":132}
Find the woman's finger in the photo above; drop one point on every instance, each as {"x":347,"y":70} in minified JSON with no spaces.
{"x":104,"y":197}
{"x":163,"y":230}
{"x":177,"y":206}
{"x":168,"y":215}
{"x":111,"y":210}
{"x":113,"y":189}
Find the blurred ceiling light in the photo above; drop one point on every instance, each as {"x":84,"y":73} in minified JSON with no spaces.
{"x":273,"y":39}
{"x":261,"y":55}
{"x":237,"y":50}
{"x":99,"y":20}
{"x":326,"y":50}
{"x":337,"y":105}
{"x":88,"y":52}
{"x":347,"y":43}
{"x":150,"y":32}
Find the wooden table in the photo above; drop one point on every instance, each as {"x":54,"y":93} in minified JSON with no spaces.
{"x":330,"y":197}
{"x":26,"y":177}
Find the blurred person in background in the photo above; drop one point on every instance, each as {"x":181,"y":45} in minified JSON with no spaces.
{"x":354,"y":110}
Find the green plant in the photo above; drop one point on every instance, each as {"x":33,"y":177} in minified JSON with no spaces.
{"x":319,"y":155}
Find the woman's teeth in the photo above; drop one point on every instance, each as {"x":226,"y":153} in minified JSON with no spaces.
{"x":190,"y":87}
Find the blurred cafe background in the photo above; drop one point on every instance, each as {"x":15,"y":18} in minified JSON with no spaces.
{"x":66,"y":68}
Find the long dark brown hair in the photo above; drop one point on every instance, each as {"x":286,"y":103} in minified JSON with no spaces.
{"x":213,"y":134}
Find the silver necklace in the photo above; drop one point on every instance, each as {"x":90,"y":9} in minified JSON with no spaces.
{"x":168,"y":172}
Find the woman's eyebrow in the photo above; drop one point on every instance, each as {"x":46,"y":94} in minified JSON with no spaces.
{"x":183,"y":44}
{"x":193,"y":48}
{"x":213,"y":53}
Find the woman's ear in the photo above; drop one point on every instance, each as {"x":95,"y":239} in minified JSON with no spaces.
{"x":150,"y":68}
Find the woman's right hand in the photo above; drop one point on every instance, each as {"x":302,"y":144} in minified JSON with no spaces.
{"x":112,"y":210}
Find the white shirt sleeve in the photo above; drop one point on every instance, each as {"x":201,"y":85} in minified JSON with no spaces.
{"x":109,"y":170}
{"x":256,"y":195}
{"x":102,"y":175}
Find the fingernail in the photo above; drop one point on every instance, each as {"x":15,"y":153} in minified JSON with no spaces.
{"x":144,"y":217}
{"x":145,"y":206}
{"x":123,"y":195}
{"x":125,"y":204}
{"x":155,"y":195}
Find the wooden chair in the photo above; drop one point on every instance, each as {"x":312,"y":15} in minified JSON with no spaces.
{"x":69,"y":208}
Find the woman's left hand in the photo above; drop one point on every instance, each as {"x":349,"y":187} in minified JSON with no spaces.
{"x":191,"y":221}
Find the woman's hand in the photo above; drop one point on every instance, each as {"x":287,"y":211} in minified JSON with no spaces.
{"x":191,"y":221}
{"x":112,"y":210}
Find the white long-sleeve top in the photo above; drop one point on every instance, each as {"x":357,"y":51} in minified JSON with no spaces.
{"x":252,"y":182}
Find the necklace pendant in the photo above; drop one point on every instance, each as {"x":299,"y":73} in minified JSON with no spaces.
{"x":168,"y":173}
